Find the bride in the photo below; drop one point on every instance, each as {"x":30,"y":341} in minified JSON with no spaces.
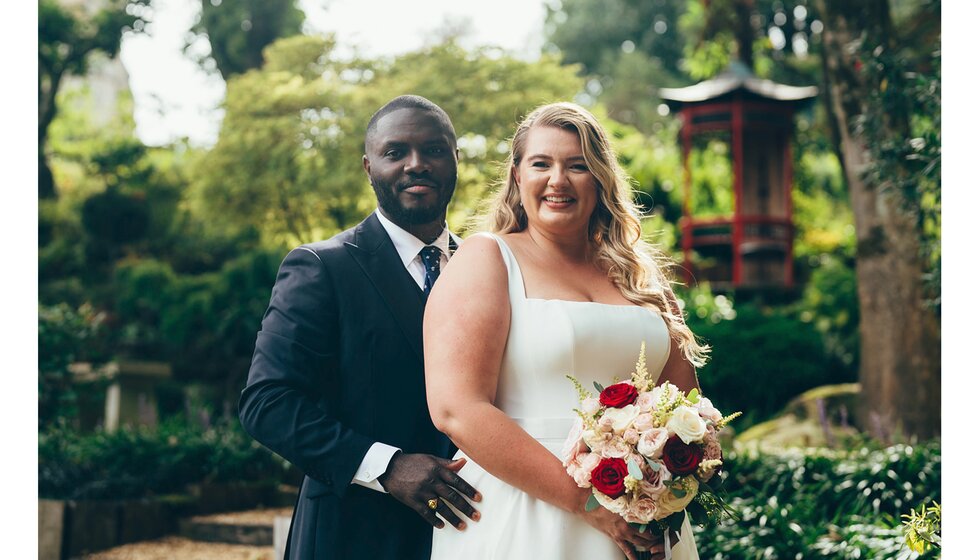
{"x":564,"y":286}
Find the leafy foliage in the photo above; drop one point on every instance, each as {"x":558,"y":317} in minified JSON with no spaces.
{"x":819,"y":504}
{"x":289,"y":155}
{"x":65,"y":335}
{"x":137,"y":463}
{"x":761,"y":359}
{"x":204,"y":323}
{"x":67,"y":37}
{"x":902,"y":129}
{"x":238,"y":31}
{"x":923,"y":528}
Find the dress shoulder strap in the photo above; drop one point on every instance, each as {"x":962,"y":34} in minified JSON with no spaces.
{"x":515,"y":280}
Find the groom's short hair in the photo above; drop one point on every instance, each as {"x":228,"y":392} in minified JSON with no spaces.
{"x":409,"y":102}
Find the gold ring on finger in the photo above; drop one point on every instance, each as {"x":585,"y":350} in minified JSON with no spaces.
{"x":433,"y":503}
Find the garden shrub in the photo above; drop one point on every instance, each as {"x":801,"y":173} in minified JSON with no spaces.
{"x":761,"y":359}
{"x":140,"y":462}
{"x":65,"y":335}
{"x":823,"y":504}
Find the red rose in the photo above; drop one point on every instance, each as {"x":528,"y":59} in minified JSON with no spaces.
{"x":618,"y":395}
{"x":608,"y":477}
{"x":680,"y":458}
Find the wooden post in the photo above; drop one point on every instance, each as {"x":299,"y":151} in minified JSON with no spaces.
{"x":738,"y":130}
{"x":788,"y":197}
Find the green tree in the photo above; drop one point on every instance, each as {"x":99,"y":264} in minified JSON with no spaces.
{"x":627,"y":49}
{"x":67,"y":37}
{"x":882,"y":87}
{"x":288,"y":158}
{"x":238,"y":31}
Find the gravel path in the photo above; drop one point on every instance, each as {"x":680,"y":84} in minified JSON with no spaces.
{"x":180,"y":548}
{"x":170,"y":548}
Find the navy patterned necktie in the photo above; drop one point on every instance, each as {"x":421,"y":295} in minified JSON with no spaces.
{"x":430,"y":260}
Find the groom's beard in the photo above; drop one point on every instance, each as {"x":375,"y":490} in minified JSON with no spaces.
{"x":389,"y":201}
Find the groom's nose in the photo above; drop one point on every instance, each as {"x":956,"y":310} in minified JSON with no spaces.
{"x":415,"y":162}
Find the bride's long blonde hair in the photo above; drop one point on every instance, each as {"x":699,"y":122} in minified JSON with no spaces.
{"x":615,"y":234}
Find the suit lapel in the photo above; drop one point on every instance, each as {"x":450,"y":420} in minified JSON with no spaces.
{"x":374,"y":252}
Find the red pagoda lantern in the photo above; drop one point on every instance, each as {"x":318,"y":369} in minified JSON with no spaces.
{"x":753,"y":247}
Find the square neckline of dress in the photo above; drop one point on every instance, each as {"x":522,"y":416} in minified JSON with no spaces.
{"x":520,"y":276}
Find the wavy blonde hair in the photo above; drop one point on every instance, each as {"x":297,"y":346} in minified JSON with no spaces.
{"x":615,"y":234}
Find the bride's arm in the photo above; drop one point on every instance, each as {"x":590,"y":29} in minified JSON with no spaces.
{"x":467,"y":320}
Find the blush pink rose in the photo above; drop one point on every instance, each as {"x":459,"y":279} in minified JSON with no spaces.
{"x":573,"y":443}
{"x":647,"y":401}
{"x":651,"y":442}
{"x":631,"y":436}
{"x":642,"y":510}
{"x":708,"y":411}
{"x":614,"y":447}
{"x":580,"y":469}
{"x":643,"y":422}
{"x":606,"y":424}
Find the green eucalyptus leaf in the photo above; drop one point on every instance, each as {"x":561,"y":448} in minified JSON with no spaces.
{"x":598,"y":386}
{"x":592,"y":503}
{"x":634,"y":469}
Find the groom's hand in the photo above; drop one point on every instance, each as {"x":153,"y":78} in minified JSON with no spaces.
{"x":414,"y":479}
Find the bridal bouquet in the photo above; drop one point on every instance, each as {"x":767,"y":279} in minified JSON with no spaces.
{"x":648,"y":453}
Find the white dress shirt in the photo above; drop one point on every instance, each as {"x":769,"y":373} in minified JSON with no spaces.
{"x":375,"y":462}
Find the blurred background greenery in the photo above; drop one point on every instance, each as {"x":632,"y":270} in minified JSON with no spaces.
{"x":167,"y":254}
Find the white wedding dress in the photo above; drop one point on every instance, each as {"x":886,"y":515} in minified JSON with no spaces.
{"x":548,"y":340}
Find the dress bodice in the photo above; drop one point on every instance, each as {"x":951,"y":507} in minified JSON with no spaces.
{"x":551,"y":338}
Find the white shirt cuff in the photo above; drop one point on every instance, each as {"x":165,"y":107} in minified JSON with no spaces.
{"x":373,"y":465}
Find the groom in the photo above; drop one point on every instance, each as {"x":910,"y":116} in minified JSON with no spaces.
{"x":337,"y":386}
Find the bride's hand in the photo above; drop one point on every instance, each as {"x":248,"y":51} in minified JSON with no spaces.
{"x":627,"y":538}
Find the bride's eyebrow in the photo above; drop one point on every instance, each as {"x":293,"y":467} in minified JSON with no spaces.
{"x":547,"y":157}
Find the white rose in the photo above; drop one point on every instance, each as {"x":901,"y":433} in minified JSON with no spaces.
{"x":687,"y":423}
{"x":617,"y":505}
{"x":590,"y":406}
{"x":593,"y":439}
{"x":621,"y":417}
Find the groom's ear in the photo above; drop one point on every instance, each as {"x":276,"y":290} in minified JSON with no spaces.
{"x":366,"y":164}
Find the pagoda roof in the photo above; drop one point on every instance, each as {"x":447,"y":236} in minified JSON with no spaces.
{"x":735,"y":77}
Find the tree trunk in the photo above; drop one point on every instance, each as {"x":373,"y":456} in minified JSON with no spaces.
{"x":745,"y":33}
{"x":900,"y":337}
{"x":49,"y":81}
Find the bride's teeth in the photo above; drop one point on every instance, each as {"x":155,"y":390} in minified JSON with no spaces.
{"x":557,"y":199}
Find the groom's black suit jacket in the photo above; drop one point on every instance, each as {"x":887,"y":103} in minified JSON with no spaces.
{"x":338,"y":366}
